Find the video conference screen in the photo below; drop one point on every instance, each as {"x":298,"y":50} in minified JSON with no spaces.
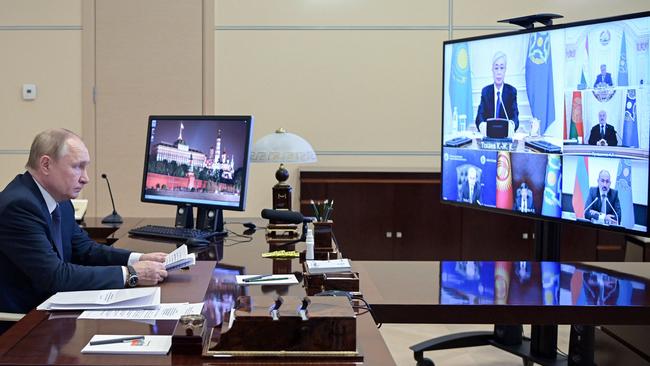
{"x":536,"y":283}
{"x":551,"y":123}
{"x":197,"y":160}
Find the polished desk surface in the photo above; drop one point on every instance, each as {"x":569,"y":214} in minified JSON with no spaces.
{"x":57,"y":338}
{"x":424,"y":292}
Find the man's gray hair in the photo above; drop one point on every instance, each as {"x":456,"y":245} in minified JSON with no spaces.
{"x":499,"y":55}
{"x":52,"y":142}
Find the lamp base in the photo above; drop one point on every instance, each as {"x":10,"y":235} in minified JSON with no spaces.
{"x":282,"y":196}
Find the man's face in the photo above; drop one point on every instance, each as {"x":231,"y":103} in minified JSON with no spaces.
{"x":603,"y":182}
{"x":603,"y":70}
{"x":602,"y":118}
{"x":471,"y":177}
{"x":499,"y":71}
{"x":66,"y":177}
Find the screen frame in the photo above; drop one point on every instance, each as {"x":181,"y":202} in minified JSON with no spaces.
{"x":248,"y":119}
{"x":537,"y":217}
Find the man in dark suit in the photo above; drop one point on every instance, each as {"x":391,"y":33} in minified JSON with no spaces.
{"x":602,"y":202}
{"x":603,"y":134}
{"x":42,"y":249}
{"x":604,"y":78}
{"x":524,"y":199}
{"x":471,"y":188}
{"x":499,"y":94}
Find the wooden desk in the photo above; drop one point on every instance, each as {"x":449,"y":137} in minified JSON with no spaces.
{"x":40,"y":339}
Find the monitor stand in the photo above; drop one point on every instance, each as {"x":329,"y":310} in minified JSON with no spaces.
{"x":207,"y":219}
{"x":541,"y":347}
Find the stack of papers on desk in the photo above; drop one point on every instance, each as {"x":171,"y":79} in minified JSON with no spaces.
{"x":330,"y":266}
{"x":150,"y":345}
{"x":164,"y":312}
{"x":179,"y":259}
{"x":130,"y":298}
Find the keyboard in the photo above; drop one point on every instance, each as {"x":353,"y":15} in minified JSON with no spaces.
{"x":544,"y":146}
{"x":168,"y":232}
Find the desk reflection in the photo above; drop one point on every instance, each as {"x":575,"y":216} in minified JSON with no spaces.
{"x":537,"y":283}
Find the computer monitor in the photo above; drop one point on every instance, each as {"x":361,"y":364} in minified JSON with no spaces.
{"x":576,"y":98}
{"x":197,"y":161}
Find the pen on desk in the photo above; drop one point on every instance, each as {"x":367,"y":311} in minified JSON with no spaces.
{"x":115,"y":340}
{"x":255,"y":278}
{"x":270,"y":279}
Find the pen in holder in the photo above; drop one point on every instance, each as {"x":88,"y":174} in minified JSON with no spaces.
{"x":323,"y":225}
{"x":323,"y":235}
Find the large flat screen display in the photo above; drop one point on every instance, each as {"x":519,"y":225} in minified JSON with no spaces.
{"x":551,"y":123}
{"x":197,"y":160}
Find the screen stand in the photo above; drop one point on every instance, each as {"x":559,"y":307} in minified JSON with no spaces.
{"x":541,"y":348}
{"x":210,"y":219}
{"x":184,"y":216}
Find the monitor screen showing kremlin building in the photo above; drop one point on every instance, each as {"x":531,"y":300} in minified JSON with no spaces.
{"x":197,"y":160}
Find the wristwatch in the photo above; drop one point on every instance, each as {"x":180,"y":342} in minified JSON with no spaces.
{"x":132,"y":279}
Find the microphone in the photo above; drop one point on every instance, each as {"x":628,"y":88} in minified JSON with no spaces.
{"x":587,"y":208}
{"x":503,"y":105}
{"x":612,"y":207}
{"x":113,"y":218}
{"x":289,"y":217}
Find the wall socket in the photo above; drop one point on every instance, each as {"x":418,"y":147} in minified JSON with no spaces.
{"x":29,"y":91}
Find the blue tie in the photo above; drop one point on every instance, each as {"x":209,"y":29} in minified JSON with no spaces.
{"x":498,"y":106}
{"x":56,"y":230}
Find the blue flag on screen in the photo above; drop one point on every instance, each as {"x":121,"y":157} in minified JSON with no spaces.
{"x":539,"y":79}
{"x":624,"y":188}
{"x":630,"y":125}
{"x":622,"y":65}
{"x":460,"y":85}
{"x":552,"y":205}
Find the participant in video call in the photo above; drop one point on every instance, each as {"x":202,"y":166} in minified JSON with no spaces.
{"x":471,"y":189}
{"x":604,"y":78}
{"x":603,"y":134}
{"x":603,"y":200}
{"x":524,"y":199}
{"x":499,"y":94}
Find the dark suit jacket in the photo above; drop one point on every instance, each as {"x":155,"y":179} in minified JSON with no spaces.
{"x":509,"y":99}
{"x":476,"y":195}
{"x":610,"y":135}
{"x":607,"y":80}
{"x":529,"y":200}
{"x":31,"y":268}
{"x":612,"y":196}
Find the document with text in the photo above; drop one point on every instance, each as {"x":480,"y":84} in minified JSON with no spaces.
{"x":179,"y":258}
{"x":131,"y":298}
{"x":164,"y":312}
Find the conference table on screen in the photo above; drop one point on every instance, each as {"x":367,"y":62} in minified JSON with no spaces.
{"x":57,"y":338}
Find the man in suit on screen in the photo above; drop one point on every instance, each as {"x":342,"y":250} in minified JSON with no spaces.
{"x":42,"y":249}
{"x":603,"y":79}
{"x":603,"y":134}
{"x":602,"y":203}
{"x":524,"y":199}
{"x":498,"y":100}
{"x":471,"y":189}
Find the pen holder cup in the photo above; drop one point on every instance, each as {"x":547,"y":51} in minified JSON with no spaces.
{"x":323,"y":234}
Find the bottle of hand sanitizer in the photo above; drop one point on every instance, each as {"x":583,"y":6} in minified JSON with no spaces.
{"x":309,"y":254}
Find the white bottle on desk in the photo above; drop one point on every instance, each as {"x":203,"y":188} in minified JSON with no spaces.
{"x":309,"y":254}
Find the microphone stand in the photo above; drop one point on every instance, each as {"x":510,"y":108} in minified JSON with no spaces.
{"x":588,"y":206}
{"x":612,"y":207}
{"x":113,"y":218}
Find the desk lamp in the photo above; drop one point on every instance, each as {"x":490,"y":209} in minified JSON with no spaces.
{"x":282,"y":147}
